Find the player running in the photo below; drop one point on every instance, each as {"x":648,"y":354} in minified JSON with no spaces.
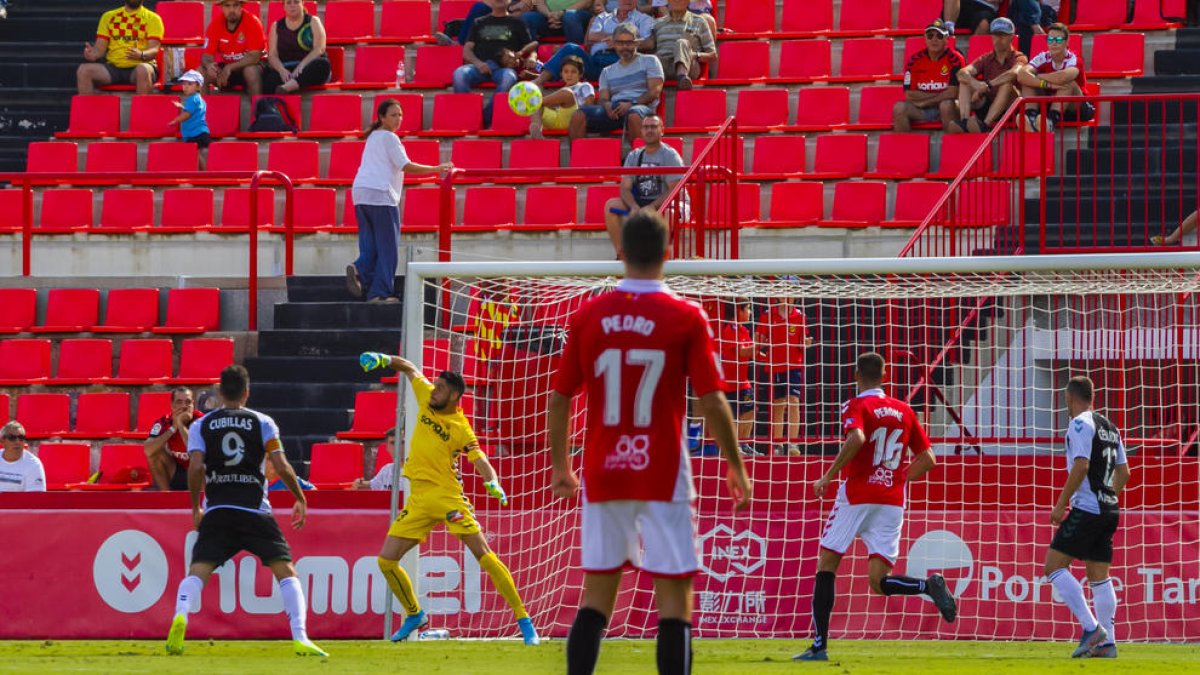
{"x":236,"y":515}
{"x":442,"y":435}
{"x":633,"y":350}
{"x":1098,"y":472}
{"x":870,"y":503}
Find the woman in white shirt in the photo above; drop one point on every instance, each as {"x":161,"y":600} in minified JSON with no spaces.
{"x":376,"y":191}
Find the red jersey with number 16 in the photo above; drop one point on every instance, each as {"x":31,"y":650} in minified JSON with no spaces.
{"x":633,"y":350}
{"x":876,"y":474}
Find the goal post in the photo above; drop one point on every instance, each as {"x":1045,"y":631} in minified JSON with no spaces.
{"x":980,"y":347}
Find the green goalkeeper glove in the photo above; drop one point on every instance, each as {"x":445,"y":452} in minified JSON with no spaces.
{"x":493,"y":488}
{"x":373,"y":360}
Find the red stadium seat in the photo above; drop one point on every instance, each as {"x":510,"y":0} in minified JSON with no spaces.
{"x":548,"y":207}
{"x":469,"y":153}
{"x":806,"y":18}
{"x":375,"y":65}
{"x":914,"y":200}
{"x":12,"y":213}
{"x":413,"y":107}
{"x":335,"y":466}
{"x":183,"y":22}
{"x":456,"y":114}
{"x":335,"y":115}
{"x":151,"y":406}
{"x":374,"y":414}
{"x":291,"y":105}
{"x":804,"y":61}
{"x":779,"y":156}
{"x":743,"y":62}
{"x":66,"y":464}
{"x":698,"y":110}
{"x":24,"y":362}
{"x":344,"y":158}
{"x":1034,"y":162}
{"x":144,"y":362}
{"x":172,"y":157}
{"x":797,"y":203}
{"x":201,"y":360}
{"x":337,"y":68}
{"x":314,"y":210}
{"x":528,"y":153}
{"x":702,"y":142}
{"x":977,"y":46}
{"x":235,"y":210}
{"x":421,"y":210}
{"x":859,"y":17}
{"x":5,"y":416}
{"x":593,"y":210}
{"x":505,"y":122}
{"x":125,"y":210}
{"x":300,"y":160}
{"x":191,"y":311}
{"x":822,"y":108}
{"x":149,"y":116}
{"x":349,"y":21}
{"x":840,"y":156}
{"x":1148,"y":15}
{"x":489,"y":208}
{"x":901,"y":156}
{"x":984,"y":202}
{"x":875,"y":105}
{"x":1099,"y":14}
{"x":67,"y":210}
{"x":20,"y":309}
{"x":233,"y":156}
{"x":762,"y":109}
{"x":595,"y":152}
{"x":70,"y":310}
{"x":1118,"y":55}
{"x":187,"y":210}
{"x":866,"y":59}
{"x":83,"y":361}
{"x":749,"y":206}
{"x":449,"y":10}
{"x":130,"y":310}
{"x":224,"y":115}
{"x":54,"y":157}
{"x":858,"y":204}
{"x":915,"y":15}
{"x":44,"y":415}
{"x":750,"y":17}
{"x":956,"y":152}
{"x":405,"y":22}
{"x":123,"y":466}
{"x":426,"y":151}
{"x":93,"y":116}
{"x":100,"y":415}
{"x":434,"y":67}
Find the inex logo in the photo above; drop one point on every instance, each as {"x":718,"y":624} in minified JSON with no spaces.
{"x":130,"y":571}
{"x":632,"y":453}
{"x":724,"y":554}
{"x":943,"y":552}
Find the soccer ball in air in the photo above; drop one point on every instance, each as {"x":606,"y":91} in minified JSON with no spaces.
{"x":524,"y":98}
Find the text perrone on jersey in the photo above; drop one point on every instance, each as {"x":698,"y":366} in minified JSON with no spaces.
{"x":877,"y":473}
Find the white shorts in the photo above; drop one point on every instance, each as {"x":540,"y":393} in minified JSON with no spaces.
{"x":657,"y":537}
{"x":877,"y":524}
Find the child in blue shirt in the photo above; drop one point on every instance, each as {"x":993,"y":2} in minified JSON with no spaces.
{"x":193,"y":125}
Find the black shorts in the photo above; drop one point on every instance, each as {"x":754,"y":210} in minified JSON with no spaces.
{"x":237,"y":78}
{"x":1083,"y":112}
{"x":970,"y":13}
{"x":202,"y":141}
{"x":124,"y":75}
{"x":179,"y":478}
{"x":741,"y":402}
{"x":1087,"y":536}
{"x":787,"y":383}
{"x":224,"y":532}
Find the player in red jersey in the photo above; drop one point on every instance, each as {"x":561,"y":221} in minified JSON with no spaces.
{"x":633,"y":350}
{"x":870,"y":503}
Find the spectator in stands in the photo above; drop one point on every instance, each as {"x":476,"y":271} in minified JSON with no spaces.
{"x":192,"y":118}
{"x":20,"y":470}
{"x":382,"y":480}
{"x":648,"y":192}
{"x":559,"y":107}
{"x":274,"y":482}
{"x":376,"y":191}
{"x":599,"y":41}
{"x":986,"y":87}
{"x":1186,"y":227}
{"x":974,"y":15}
{"x":629,"y":90}
{"x":568,"y":18}
{"x":930,"y":82}
{"x":233,"y":52}
{"x":128,"y":39}
{"x":782,"y":338}
{"x":682,"y":41}
{"x":167,"y":444}
{"x":296,"y":51}
{"x":704,"y":8}
{"x":1055,"y":72}
{"x":736,"y":347}
{"x":481,"y":53}
{"x":461,"y":28}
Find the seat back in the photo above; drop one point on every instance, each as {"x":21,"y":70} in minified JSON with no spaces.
{"x":24,"y":360}
{"x":145,"y":360}
{"x":44,"y":415}
{"x":65,"y":463}
{"x":85,"y":359}
{"x":188,"y":307}
{"x":74,"y":308}
{"x":335,"y":462}
{"x":122,"y":463}
{"x":204,"y":358}
{"x":52,"y":156}
{"x":111,"y":156}
{"x":374,"y":411}
{"x":102,"y":414}
{"x":135,"y":308}
{"x":20,"y":309}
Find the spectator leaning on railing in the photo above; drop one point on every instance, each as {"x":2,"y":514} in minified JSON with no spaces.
{"x":127,"y":40}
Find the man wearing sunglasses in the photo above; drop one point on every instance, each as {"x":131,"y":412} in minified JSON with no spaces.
{"x":20,"y":470}
{"x":1058,"y":71}
{"x":930,"y":82}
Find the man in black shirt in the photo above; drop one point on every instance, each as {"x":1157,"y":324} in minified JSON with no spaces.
{"x":228,"y":451}
{"x":481,"y":53}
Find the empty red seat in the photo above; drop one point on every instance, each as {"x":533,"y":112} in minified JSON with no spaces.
{"x":70,"y":310}
{"x":467,"y":153}
{"x":505,"y":122}
{"x":866,"y":59}
{"x":20,"y":309}
{"x":172,"y":156}
{"x":762,"y":109}
{"x":100,"y":415}
{"x":490,"y":207}
{"x":743,"y":61}
{"x":865,"y":16}
{"x":822,"y":108}
{"x":299,"y":160}
{"x":840,"y":156}
{"x":875,"y":105}
{"x":150,"y":115}
{"x":449,"y":10}
{"x":596,"y":152}
{"x":1149,"y":15}
{"x":374,"y":414}
{"x":111,"y":156}
{"x":183,"y":21}
{"x":375,"y":65}
{"x":405,"y":22}
{"x":314,"y":209}
{"x":698,"y":110}
{"x":44,"y":415}
{"x":806,"y":18}
{"x":797,"y":203}
{"x":224,"y":115}
{"x":83,"y":361}
{"x":144,"y":362}
{"x":753,"y":17}
{"x":52,"y":157}
{"x":749,"y":205}
{"x":700,"y":145}
{"x":984,"y":202}
{"x":187,"y":209}
{"x":550,"y":206}
{"x":344,"y":159}
{"x":1118,"y":55}
{"x":804,"y":60}
{"x":593,"y":210}
{"x":914,"y":201}
{"x":201,"y":360}
{"x":915,"y":15}
{"x":123,"y":466}
{"x":24,"y":362}
{"x":1099,"y":14}
{"x":858,"y":204}
{"x":335,"y":115}
{"x":235,"y":209}
{"x":349,"y":21}
{"x":529,"y":153}
{"x":12,"y":214}
{"x":191,"y":311}
{"x":956,"y":153}
{"x":233,"y":156}
{"x":1011,"y":156}
{"x":66,"y":464}
{"x":413,"y":106}
{"x":900,"y":156}
{"x":456,"y":114}
{"x":66,"y":210}
{"x":434,"y":67}
{"x":126,"y":210}
{"x":130,"y":310}
{"x":779,"y":156}
{"x":151,"y":405}
{"x":335,"y":466}
{"x":421,"y":209}
{"x":93,"y":116}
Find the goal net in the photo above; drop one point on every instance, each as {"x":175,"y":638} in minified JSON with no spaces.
{"x":981,"y":349}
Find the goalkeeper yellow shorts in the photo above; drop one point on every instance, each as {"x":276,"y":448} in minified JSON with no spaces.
{"x":425,"y":509}
{"x":557,"y":118}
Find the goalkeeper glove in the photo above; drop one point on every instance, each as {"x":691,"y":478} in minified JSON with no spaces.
{"x":493,"y":488}
{"x":372,"y":360}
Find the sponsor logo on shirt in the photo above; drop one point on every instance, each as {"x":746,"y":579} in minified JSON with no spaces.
{"x":435,"y":427}
{"x":881,"y":476}
{"x":454,"y":516}
{"x":631,"y":454}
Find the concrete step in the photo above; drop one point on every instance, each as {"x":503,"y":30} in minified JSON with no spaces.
{"x":320,"y":369}
{"x":326,"y":289}
{"x":316,"y":315}
{"x":278,"y":395}
{"x":309,"y":421}
{"x":326,"y":342}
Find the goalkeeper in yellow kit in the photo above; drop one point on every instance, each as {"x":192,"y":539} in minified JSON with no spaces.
{"x":442,"y":435}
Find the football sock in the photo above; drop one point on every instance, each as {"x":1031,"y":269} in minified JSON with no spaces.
{"x":295,"y":606}
{"x":189,"y":592}
{"x":822,"y":607}
{"x":401,"y":585}
{"x":674,"y":647}
{"x":902,"y":585}
{"x":1104,"y":599}
{"x":503,"y":581}
{"x":583,"y":642}
{"x":1072,"y":593}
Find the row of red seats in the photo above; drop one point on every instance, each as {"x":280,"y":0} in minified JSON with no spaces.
{"x":89,"y":361}
{"x":129,"y":310}
{"x":98,"y":415}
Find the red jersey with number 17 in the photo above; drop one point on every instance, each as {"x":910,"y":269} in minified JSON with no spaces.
{"x":876,"y":474}
{"x":633,"y":350}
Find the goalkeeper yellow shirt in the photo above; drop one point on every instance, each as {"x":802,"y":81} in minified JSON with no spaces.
{"x":438,"y":442}
{"x":124,"y":29}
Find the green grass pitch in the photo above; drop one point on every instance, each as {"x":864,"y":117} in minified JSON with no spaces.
{"x":616,"y":657}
